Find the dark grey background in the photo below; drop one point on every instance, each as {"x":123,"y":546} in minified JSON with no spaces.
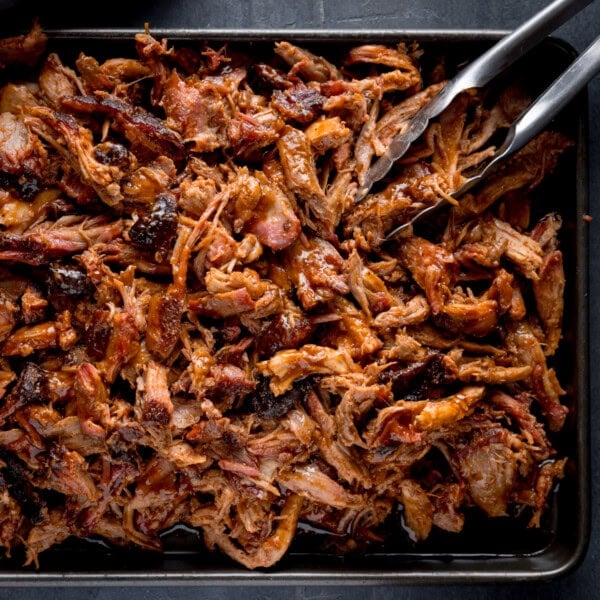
{"x":353,"y":14}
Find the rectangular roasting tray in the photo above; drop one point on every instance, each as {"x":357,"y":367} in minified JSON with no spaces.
{"x":493,"y":550}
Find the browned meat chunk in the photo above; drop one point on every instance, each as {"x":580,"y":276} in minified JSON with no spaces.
{"x":317,"y":271}
{"x":20,"y":150}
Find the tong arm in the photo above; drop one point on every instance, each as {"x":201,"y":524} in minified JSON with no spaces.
{"x":480,"y":72}
{"x":531,"y":122}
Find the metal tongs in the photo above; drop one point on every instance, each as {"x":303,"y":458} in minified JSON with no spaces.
{"x":479,"y":73}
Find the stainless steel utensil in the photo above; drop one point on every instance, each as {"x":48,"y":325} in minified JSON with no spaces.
{"x":530,"y":123}
{"x":480,"y":72}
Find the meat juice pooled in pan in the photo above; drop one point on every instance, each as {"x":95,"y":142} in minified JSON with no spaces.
{"x":199,"y":326}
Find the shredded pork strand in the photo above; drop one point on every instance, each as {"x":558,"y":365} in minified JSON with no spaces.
{"x":199,"y":326}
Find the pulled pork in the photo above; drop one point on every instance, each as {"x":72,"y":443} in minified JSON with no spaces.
{"x":199,"y":326}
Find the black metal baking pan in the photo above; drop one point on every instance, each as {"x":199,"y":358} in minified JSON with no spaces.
{"x":491,"y":550}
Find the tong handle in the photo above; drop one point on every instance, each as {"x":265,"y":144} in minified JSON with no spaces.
{"x":481,"y":71}
{"x":557,"y":96}
{"x":510,"y":48}
{"x":533,"y":120}
{"x":505,"y":52}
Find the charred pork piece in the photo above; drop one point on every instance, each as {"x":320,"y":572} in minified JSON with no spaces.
{"x":157,"y":230}
{"x":147,"y":134}
{"x":298,"y":103}
{"x":29,"y":388}
{"x":421,"y":380}
{"x":268,"y":406}
{"x":287,"y":330}
{"x":68,"y":285}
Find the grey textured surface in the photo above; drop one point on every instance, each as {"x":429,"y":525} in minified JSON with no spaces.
{"x":357,"y":14}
